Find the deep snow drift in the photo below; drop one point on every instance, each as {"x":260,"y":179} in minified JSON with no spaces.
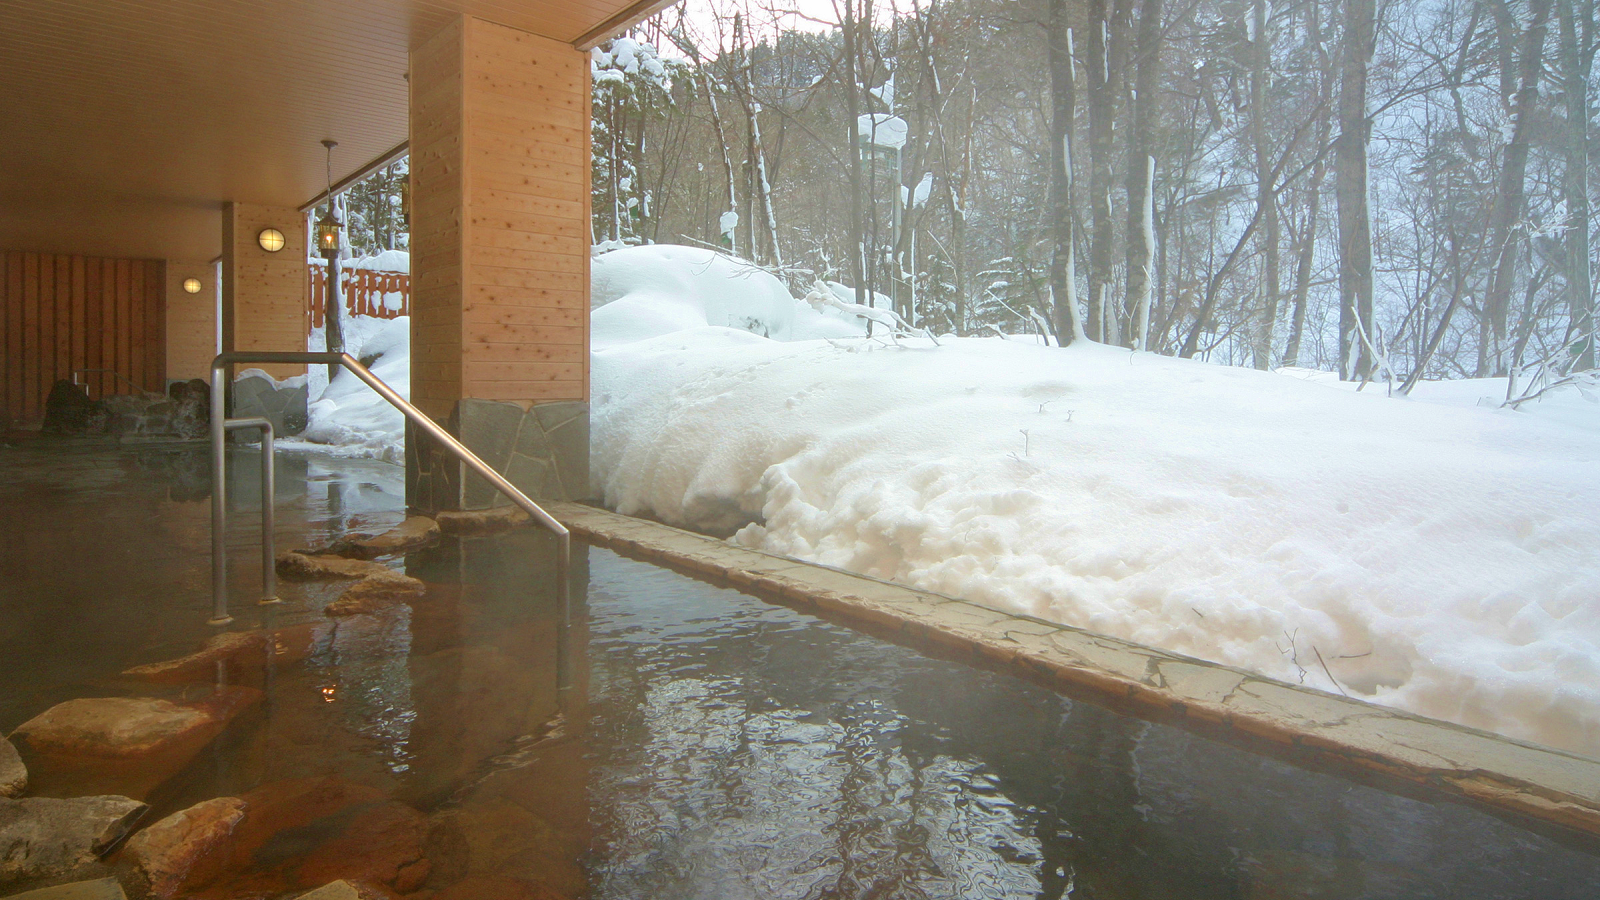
{"x":349,"y":418}
{"x":1439,"y":557}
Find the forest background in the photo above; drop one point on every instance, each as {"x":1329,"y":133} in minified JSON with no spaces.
{"x":1391,"y":189}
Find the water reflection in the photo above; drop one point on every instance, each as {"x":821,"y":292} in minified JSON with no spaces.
{"x":745,"y":750}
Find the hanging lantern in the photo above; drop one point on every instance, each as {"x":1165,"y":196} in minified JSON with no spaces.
{"x":327,"y":228}
{"x":327,"y":232}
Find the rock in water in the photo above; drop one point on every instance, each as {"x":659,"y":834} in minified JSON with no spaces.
{"x":480,"y":521}
{"x":98,"y":889}
{"x":43,"y":837}
{"x":13,"y":774}
{"x":414,"y":533}
{"x":187,"y":849}
{"x":123,"y":745}
{"x":120,"y":727}
{"x":68,"y":410}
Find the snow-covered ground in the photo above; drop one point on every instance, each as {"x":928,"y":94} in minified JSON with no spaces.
{"x":1430,"y":554}
{"x":349,"y":418}
{"x":1436,"y":553}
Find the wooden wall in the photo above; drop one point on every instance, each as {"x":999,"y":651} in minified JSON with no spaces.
{"x":264,"y":294}
{"x":191,"y":320}
{"x":500,"y":217}
{"x":63,"y":313}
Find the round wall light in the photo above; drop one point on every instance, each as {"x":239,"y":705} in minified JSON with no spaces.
{"x":270,"y":239}
{"x":192,"y":285}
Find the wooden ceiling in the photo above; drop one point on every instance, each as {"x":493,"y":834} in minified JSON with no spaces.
{"x":125,"y":124}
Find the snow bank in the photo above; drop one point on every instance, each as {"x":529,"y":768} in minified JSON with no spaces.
{"x":641,"y":292}
{"x":1439,"y":559}
{"x":350,"y":419}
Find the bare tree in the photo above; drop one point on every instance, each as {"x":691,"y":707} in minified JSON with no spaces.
{"x":1068,"y":322}
{"x":1353,"y":192}
{"x":1509,"y":229}
{"x":1577,"y":63}
{"x":1141,"y":173}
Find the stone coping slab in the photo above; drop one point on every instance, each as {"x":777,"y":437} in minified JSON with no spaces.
{"x":1407,"y":752}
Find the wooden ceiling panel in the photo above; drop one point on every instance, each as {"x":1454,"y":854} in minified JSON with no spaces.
{"x":125,"y":124}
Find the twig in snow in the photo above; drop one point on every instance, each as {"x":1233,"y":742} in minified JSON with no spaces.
{"x":1294,"y":654}
{"x":1325,"y":669}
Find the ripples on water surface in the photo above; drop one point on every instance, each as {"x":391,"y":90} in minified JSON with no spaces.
{"x":746,"y":750}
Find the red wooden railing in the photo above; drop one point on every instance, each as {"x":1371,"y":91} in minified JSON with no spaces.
{"x":363,"y":292}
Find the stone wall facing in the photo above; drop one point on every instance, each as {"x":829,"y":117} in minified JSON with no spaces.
{"x":543,"y":450}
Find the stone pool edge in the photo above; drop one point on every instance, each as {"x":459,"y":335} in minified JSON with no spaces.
{"x":1527,"y":780}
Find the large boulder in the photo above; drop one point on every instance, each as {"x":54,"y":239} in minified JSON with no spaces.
{"x":123,"y":745}
{"x":46,"y":837}
{"x":68,"y":410}
{"x":191,"y":408}
{"x":187,"y":849}
{"x":123,"y":727}
{"x":13,"y":774}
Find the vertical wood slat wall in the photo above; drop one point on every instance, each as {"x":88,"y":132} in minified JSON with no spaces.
{"x":64,"y":313}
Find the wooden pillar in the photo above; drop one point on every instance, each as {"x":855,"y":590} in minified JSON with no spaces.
{"x":263,"y":293}
{"x":191,"y":319}
{"x":500,"y":260}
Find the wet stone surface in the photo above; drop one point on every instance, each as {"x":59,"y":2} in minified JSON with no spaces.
{"x":13,"y":774}
{"x":187,"y":849}
{"x":96,"y":889}
{"x":44,"y":837}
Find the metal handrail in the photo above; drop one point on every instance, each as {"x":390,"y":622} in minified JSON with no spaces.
{"x":220,"y":424}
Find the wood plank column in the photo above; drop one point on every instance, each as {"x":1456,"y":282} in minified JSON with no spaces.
{"x":499,"y":262}
{"x":263,"y":293}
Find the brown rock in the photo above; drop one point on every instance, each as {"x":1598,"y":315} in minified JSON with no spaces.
{"x":307,"y":832}
{"x":98,"y":889}
{"x":312,"y":567}
{"x":186,"y":849}
{"x":374,"y":593}
{"x":123,"y":745}
{"x":121,"y":727}
{"x":110,"y":727}
{"x":200,"y":665}
{"x":412,"y":534}
{"x":478,"y":521}
{"x":13,"y":774}
{"x":239,"y":649}
{"x":44,"y":837}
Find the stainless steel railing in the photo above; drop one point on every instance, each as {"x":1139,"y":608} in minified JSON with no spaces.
{"x":221,"y":424}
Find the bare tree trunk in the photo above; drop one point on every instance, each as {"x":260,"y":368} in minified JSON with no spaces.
{"x":1351,"y":191}
{"x":1141,"y":175}
{"x":852,"y":102}
{"x":1307,"y":257}
{"x":1104,"y":84}
{"x":1068,"y":321}
{"x":1577,"y":61}
{"x":727,"y":160}
{"x":1266,"y":192}
{"x":1509,"y":195}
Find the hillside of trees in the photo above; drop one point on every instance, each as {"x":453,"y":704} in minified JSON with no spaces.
{"x":1395,"y":190}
